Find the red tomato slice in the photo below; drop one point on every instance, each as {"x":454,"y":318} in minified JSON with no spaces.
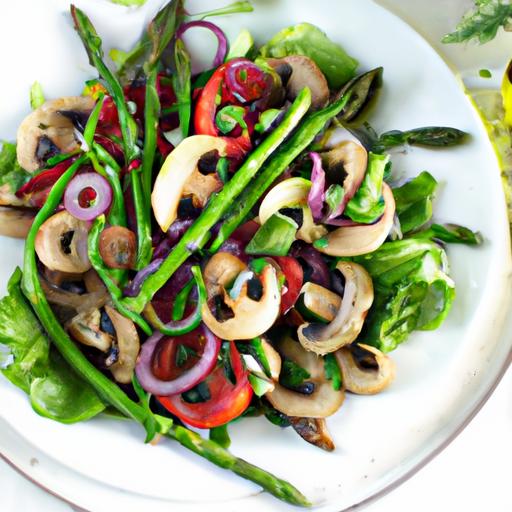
{"x":227,"y":402}
{"x":294,"y":276}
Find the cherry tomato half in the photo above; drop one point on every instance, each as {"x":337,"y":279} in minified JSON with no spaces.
{"x":227,"y":402}
{"x":294,"y":276}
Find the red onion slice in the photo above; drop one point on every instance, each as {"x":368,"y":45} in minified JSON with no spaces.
{"x":82,"y":184}
{"x":222,"y":49}
{"x":253,"y":86}
{"x":186,"y":380}
{"x":316,"y":194}
{"x":133,"y":288}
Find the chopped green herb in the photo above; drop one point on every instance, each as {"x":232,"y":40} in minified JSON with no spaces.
{"x":292,"y":375}
{"x":229,"y":117}
{"x":485,"y":73}
{"x":36,"y":96}
{"x":332,"y":371}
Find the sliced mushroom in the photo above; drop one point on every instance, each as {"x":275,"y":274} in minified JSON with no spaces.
{"x":50,"y":130}
{"x":348,"y":158}
{"x":314,"y":431}
{"x":8,"y":198}
{"x":128,"y":345}
{"x":85,"y":328}
{"x":322,"y":402}
{"x":365,"y":369}
{"x":118,"y":247}
{"x":220,"y":271}
{"x":320,"y":301}
{"x":16,"y":222}
{"x":362,"y":238}
{"x":177,"y":169}
{"x":348,"y":322}
{"x":61,"y":243}
{"x":291,"y":193}
{"x":251,"y":318}
{"x":304,"y":73}
{"x":201,"y":186}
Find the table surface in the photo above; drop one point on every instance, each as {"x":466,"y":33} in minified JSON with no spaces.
{"x":471,"y":474}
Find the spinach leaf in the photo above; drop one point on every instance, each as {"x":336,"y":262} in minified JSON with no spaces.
{"x":414,"y":201}
{"x":306,"y":39}
{"x":55,"y":391}
{"x":292,"y":375}
{"x":11,"y":173}
{"x":482,"y":22}
{"x":275,"y":237}
{"x":332,"y":371}
{"x":367,"y":205}
{"x":412,"y":291}
{"x":221,"y":436}
{"x":451,"y":233}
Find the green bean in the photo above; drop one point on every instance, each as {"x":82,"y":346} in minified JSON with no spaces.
{"x":286,"y":154}
{"x":32,"y":289}
{"x":92,"y":122}
{"x":181,"y":81}
{"x":199,"y":233}
{"x":151,"y":116}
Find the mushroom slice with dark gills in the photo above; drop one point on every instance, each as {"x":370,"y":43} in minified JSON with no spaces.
{"x":128,"y":345}
{"x":121,"y":339}
{"x":50,"y":130}
{"x":16,"y":222}
{"x":61,"y":244}
{"x":301,"y":71}
{"x":365,"y":369}
{"x":348,"y":321}
{"x":249,"y":316}
{"x":322,"y":401}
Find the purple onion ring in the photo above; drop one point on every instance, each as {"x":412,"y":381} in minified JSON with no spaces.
{"x":316,"y":194}
{"x":186,"y":380}
{"x":222,"y":49}
{"x":80,"y":183}
{"x":133,"y":288}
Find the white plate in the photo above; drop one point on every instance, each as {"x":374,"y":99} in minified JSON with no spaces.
{"x":442,"y":376}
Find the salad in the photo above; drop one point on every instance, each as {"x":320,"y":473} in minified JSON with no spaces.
{"x":202,"y":248}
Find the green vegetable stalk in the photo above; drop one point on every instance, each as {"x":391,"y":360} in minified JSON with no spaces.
{"x":287,"y":153}
{"x":92,"y":44}
{"x":198,"y":234}
{"x":181,"y":81}
{"x":221,"y":457}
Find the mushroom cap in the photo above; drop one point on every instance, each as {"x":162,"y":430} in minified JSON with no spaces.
{"x":61,"y":243}
{"x":304,"y":73}
{"x":369,"y":379}
{"x":348,"y":321}
{"x":16,"y":222}
{"x":362,"y":238}
{"x":85,"y":328}
{"x":323,"y":402}
{"x":251,"y":318}
{"x":179,"y":167}
{"x":47,"y":129}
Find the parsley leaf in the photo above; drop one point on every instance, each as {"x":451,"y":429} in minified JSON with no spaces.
{"x":482,"y":22}
{"x":292,"y":375}
{"x":11,"y":172}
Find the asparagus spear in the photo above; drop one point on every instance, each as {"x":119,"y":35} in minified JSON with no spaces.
{"x":224,"y":459}
{"x":199,"y":233}
{"x":286,"y":154}
{"x":436,"y":136}
{"x":107,"y":389}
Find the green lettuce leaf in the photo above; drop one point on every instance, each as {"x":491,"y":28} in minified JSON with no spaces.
{"x":275,"y":237}
{"x":367,"y":205}
{"x":11,"y":172}
{"x":412,"y":291}
{"x":414,"y":201}
{"x":55,"y":391}
{"x":306,"y":39}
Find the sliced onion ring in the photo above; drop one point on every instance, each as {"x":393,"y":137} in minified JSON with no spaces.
{"x":222,"y":49}
{"x":186,"y":380}
{"x":316,"y":194}
{"x":134,"y":287}
{"x":258,"y":78}
{"x":80,"y":183}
